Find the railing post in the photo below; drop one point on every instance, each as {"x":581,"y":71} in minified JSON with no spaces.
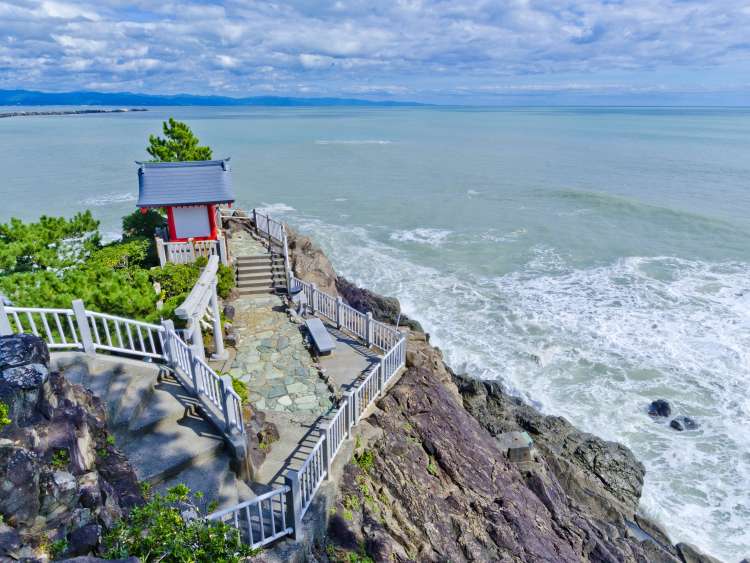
{"x":369,"y":328}
{"x":194,"y":372}
{"x":226,"y":385}
{"x":327,"y":453}
{"x":168,"y":325}
{"x":223,"y":250}
{"x":349,"y":398}
{"x":160,"y":252}
{"x":313,"y":295}
{"x":219,"y":353}
{"x":294,"y":504}
{"x":255,"y":220}
{"x":339,"y":303}
{"x":79,"y":310}
{"x":289,"y":279}
{"x":5,"y":329}
{"x":381,"y":378}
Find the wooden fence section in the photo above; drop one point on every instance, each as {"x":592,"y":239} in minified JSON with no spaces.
{"x":188,"y":252}
{"x":260,"y":520}
{"x":93,"y":332}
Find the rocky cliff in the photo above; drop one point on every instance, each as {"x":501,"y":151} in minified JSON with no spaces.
{"x":431,"y":480}
{"x":62,"y":480}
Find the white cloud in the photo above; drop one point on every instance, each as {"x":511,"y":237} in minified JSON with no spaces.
{"x":387,"y":48}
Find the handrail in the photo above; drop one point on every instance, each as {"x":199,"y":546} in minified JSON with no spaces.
{"x":93,"y":332}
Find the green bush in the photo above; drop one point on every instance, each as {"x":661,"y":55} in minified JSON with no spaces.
{"x":225,"y":281}
{"x":365,"y":460}
{"x":121,"y":255}
{"x":51,"y":242}
{"x":240,"y":387}
{"x":156,"y":531}
{"x":176,"y":279}
{"x":4,"y":420}
{"x":139,"y":225}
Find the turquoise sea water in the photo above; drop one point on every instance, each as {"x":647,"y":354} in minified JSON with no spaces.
{"x":592,"y":259}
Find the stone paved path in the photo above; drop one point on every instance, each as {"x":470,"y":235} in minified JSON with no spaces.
{"x":271,"y":354}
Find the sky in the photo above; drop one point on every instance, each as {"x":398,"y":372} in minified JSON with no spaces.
{"x":681,"y":52}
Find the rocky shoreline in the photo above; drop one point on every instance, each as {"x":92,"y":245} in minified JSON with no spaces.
{"x":430,"y":481}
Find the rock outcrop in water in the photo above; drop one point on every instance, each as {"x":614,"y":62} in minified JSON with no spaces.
{"x":430,"y":481}
{"x":62,"y":481}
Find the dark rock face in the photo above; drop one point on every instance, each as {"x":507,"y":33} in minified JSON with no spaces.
{"x":660,"y":407}
{"x":59,"y":478}
{"x":683,"y":423}
{"x":385,"y":309}
{"x":310,"y":263}
{"x":441,"y":489}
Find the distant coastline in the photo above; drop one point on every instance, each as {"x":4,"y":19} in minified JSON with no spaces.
{"x":67,"y":112}
{"x":33,"y":98}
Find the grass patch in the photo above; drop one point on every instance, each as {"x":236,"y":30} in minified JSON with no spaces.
{"x":60,"y":459}
{"x":432,"y":468}
{"x":365,"y":460}
{"x":4,"y":420}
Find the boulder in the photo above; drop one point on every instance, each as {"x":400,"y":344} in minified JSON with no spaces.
{"x":681,"y":423}
{"x":691,"y":554}
{"x":20,"y":471}
{"x":22,"y":349}
{"x":659,"y":408}
{"x":384,"y":309}
{"x":10,"y":542}
{"x":84,"y":540}
{"x":229,"y":312}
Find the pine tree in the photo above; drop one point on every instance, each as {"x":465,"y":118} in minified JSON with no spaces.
{"x":179,"y":144}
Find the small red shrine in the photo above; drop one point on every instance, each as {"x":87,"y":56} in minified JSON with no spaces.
{"x":189,"y":191}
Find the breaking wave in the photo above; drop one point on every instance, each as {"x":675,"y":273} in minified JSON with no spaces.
{"x":104,"y":200}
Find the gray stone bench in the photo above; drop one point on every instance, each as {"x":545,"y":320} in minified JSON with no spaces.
{"x":323,"y":341}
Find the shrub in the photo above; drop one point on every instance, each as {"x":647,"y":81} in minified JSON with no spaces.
{"x":225,"y":281}
{"x":60,"y":460}
{"x":156,"y":531}
{"x":365,"y":460}
{"x":121,"y":254}
{"x":4,"y":420}
{"x":240,"y":387}
{"x":139,"y":225}
{"x":176,"y":279}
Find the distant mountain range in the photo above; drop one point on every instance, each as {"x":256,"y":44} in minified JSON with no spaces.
{"x":32,"y":98}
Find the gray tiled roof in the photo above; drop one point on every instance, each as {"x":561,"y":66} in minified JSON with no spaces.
{"x":178,"y":183}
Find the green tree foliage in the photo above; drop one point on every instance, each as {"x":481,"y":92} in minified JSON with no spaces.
{"x":51,"y":242}
{"x":133,"y":253}
{"x":142,"y":225}
{"x":156,"y":531}
{"x":179,"y":144}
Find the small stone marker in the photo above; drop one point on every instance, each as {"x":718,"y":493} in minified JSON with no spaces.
{"x":517,"y":445}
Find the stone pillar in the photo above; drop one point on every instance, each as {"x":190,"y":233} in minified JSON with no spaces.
{"x":196,"y":337}
{"x":219,"y":353}
{"x":84,"y":330}
{"x":160,"y":251}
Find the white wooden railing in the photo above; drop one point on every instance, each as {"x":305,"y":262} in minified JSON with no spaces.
{"x":187,"y":252}
{"x":260,"y":520}
{"x":93,"y":332}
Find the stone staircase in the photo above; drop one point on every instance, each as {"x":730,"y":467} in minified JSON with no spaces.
{"x":260,"y":274}
{"x":159,"y":426}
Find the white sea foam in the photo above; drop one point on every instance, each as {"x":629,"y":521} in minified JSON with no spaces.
{"x":104,"y":200}
{"x":432,"y":237}
{"x":471,"y":193}
{"x":353,"y":142}
{"x":340,"y":199}
{"x":275,"y":208}
{"x":493,"y":235}
{"x":597,"y":345}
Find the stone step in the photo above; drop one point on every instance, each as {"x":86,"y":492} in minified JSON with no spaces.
{"x":168,"y":404}
{"x":244,"y":274}
{"x":257,"y":284}
{"x":215,"y":479}
{"x":245,"y":291}
{"x":160,"y":455}
{"x":132,"y":400}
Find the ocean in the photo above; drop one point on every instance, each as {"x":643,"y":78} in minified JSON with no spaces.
{"x":592,"y":259}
